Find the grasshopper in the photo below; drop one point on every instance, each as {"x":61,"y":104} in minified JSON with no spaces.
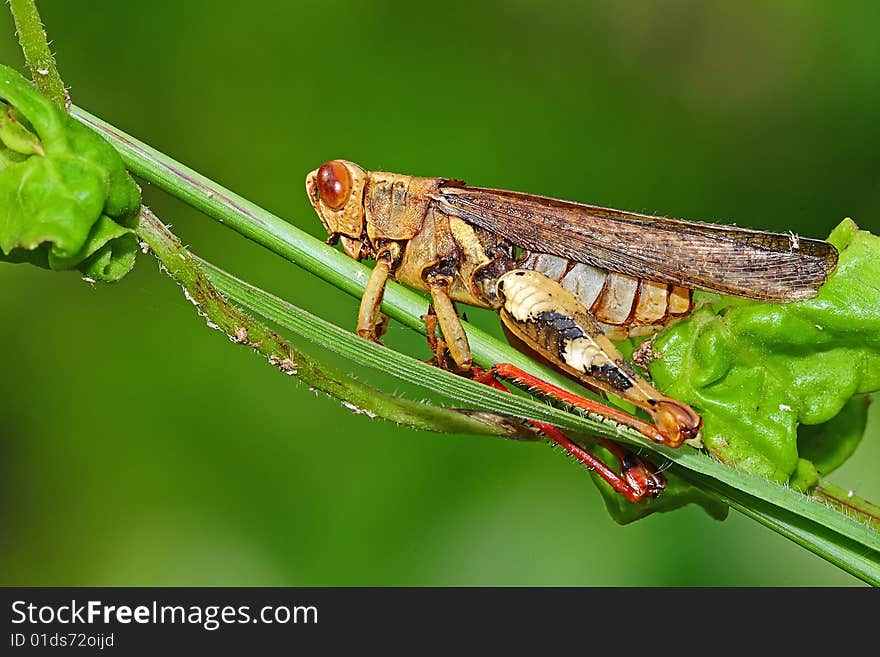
{"x":567,"y":279}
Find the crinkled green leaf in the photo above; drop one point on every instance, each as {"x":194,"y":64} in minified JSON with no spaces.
{"x":66,"y":200}
{"x":828,"y":445}
{"x":756,"y":371}
{"x":16,"y":136}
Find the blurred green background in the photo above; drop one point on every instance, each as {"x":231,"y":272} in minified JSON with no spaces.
{"x":138,"y":447}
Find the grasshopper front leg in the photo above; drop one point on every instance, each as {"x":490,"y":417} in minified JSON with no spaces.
{"x":371,"y":322}
{"x":545,"y":316}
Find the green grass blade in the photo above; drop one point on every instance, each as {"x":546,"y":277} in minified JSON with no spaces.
{"x":274,"y":233}
{"x":820,"y":528}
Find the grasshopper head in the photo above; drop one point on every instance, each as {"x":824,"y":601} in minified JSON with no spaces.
{"x":336,"y":191}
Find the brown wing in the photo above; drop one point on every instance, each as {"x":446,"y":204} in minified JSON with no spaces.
{"x":725,"y":259}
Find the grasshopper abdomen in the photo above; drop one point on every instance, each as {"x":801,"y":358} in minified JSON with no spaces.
{"x":625,"y":306}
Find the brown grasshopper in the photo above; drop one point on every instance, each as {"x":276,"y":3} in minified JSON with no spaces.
{"x":568,"y":279}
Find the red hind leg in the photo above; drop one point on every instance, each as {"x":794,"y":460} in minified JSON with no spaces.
{"x":512,"y":372}
{"x":637,"y":479}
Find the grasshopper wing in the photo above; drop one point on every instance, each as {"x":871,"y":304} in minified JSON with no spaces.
{"x":724,"y":259}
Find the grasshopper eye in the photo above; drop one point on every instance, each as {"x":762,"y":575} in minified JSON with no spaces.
{"x":334,"y":184}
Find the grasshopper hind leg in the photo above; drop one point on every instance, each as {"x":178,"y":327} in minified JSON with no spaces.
{"x":637,"y":478}
{"x":543,"y":315}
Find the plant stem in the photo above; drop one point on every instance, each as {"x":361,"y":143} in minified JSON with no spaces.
{"x":288,"y":241}
{"x":820,"y":539}
{"x":243,"y":329}
{"x":848,"y":502}
{"x":37,"y":56}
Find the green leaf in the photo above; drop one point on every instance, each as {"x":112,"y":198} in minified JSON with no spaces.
{"x":17,"y":137}
{"x":66,"y":200}
{"x":828,"y":445}
{"x":756,"y":371}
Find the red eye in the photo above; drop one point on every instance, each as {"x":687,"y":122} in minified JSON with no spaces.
{"x":334,"y":184}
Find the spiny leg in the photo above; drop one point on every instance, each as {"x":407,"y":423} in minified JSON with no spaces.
{"x":638,"y":478}
{"x":512,"y":372}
